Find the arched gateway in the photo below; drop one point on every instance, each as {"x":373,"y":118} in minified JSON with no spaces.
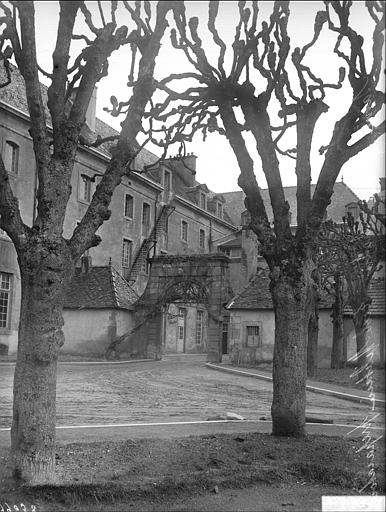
{"x":197,"y":284}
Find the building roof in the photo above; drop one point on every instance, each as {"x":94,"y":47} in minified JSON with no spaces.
{"x":256,"y":294}
{"x":342,"y":196}
{"x":377,"y":294}
{"x":99,"y":288}
{"x":14,"y":95}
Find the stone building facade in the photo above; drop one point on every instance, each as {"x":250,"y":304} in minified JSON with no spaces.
{"x":161,"y":212}
{"x":158,"y":214}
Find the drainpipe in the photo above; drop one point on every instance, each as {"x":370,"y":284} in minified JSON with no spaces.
{"x":210,"y":236}
{"x":155,"y":223}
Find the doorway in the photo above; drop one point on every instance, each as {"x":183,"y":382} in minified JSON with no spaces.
{"x":225,"y":336}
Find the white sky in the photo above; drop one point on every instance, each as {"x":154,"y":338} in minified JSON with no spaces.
{"x":216,"y":163}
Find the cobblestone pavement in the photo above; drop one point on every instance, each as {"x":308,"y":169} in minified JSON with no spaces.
{"x":165,"y":391}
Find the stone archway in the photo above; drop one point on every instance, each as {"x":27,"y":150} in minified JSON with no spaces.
{"x":200,"y":279}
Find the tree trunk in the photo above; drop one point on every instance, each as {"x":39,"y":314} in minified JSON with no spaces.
{"x":337,"y":359}
{"x":293,"y":302}
{"x":360,"y":319}
{"x":312,"y":342}
{"x":45,"y":270}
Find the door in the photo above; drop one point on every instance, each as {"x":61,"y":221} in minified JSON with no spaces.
{"x":181,"y":327}
{"x":225,"y":332}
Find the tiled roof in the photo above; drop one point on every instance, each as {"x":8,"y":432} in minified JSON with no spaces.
{"x":99,"y":288}
{"x":342,"y":196}
{"x":14,"y":95}
{"x":256,"y":295}
{"x":377,"y":294}
{"x":181,"y":190}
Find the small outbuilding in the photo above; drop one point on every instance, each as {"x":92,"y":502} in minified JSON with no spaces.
{"x":98,"y":308}
{"x":252,"y":324}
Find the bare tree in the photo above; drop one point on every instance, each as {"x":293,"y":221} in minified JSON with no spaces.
{"x":267,"y":90}
{"x":46,"y":259}
{"x":355,"y":252}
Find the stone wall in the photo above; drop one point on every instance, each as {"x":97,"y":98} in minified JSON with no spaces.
{"x":187,"y":280}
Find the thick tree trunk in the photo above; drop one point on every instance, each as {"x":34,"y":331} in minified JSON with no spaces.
{"x":44,"y":275}
{"x":293,"y":303}
{"x":312,"y":342}
{"x":337,"y":359}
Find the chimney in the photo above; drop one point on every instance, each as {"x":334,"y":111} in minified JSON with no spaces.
{"x":85,"y":264}
{"x":382,"y":183}
{"x":185,"y":167}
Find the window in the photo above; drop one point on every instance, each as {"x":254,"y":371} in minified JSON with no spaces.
{"x":202,"y":239}
{"x":167,"y":184}
{"x":225,"y":250}
{"x":219,"y":210}
{"x":5,"y":296}
{"x":181,"y":323}
{"x":253,"y":336}
{"x":11,"y":157}
{"x":85,"y":188}
{"x":145,"y":218}
{"x":129,"y":206}
{"x":184,"y":231}
{"x":235,"y":252}
{"x":199,"y":327}
{"x":127,"y":248}
{"x":232,"y":252}
{"x":203,"y":200}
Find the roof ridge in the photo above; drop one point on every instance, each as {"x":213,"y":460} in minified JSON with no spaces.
{"x":113,"y":274}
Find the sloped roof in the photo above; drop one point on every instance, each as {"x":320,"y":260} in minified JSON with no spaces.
{"x":342,"y":196}
{"x":256,"y":294}
{"x":377,"y":294}
{"x":181,"y":190}
{"x":99,"y":288}
{"x":14,"y":95}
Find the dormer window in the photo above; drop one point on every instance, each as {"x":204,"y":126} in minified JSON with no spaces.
{"x":219,"y":210}
{"x":203,"y":200}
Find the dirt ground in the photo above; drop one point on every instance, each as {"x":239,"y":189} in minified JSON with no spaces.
{"x":165,"y":391}
{"x":342,"y":377}
{"x":213,"y":472}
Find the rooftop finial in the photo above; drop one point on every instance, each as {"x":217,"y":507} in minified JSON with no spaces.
{"x":342,"y":179}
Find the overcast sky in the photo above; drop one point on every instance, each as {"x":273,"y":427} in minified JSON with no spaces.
{"x":216,"y":164}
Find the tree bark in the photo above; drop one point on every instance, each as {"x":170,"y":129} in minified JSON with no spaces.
{"x":337,"y":359}
{"x":360,"y":320}
{"x":312,"y":342}
{"x":293,"y":302}
{"x":45,"y":268}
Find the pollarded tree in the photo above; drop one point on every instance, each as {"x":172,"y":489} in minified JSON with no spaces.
{"x":46,"y":259}
{"x":355,"y":250}
{"x":267,"y":90}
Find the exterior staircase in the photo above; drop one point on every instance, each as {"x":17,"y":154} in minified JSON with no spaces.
{"x":140,"y":260}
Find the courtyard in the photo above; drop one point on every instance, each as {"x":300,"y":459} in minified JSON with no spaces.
{"x":164,"y":391}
